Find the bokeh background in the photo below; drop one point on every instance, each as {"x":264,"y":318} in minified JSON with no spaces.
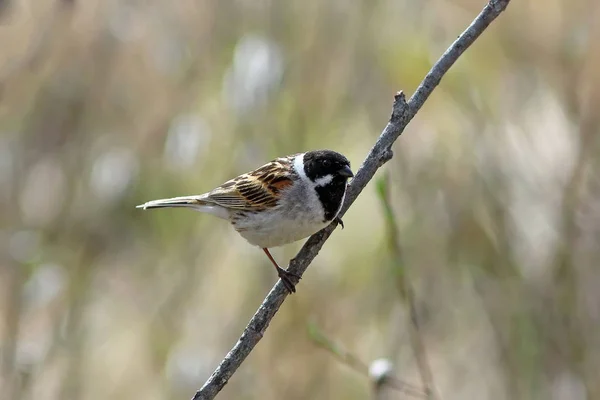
{"x":495,"y":187}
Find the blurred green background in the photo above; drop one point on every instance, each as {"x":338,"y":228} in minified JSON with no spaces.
{"x":495,"y":185}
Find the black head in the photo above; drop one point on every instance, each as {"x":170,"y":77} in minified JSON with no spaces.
{"x":320,"y":164}
{"x":329,"y":171}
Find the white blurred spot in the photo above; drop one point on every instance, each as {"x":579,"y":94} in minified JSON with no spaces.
{"x":187,"y":134}
{"x":23,"y":246}
{"x":30,"y":353}
{"x":45,"y":284}
{"x":568,"y":386}
{"x":257,"y":69}
{"x":380,"y":369}
{"x":43,"y":193}
{"x":112,"y":173}
{"x":542,"y":150}
{"x":124,"y":23}
{"x":185,"y":365}
{"x":536,"y":156}
{"x":539,"y":157}
{"x":168,"y":52}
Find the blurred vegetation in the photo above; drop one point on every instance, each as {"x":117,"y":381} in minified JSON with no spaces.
{"x":495,"y":185}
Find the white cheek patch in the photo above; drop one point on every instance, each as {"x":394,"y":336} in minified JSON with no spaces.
{"x":324,"y":180}
{"x":299,"y":166}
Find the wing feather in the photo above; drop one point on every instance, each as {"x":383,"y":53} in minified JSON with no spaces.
{"x":256,"y":190}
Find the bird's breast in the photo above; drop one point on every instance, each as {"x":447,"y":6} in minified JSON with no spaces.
{"x":272,"y":229}
{"x":298,"y":215}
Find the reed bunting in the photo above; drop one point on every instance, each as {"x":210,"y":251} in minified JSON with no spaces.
{"x":285,"y":200}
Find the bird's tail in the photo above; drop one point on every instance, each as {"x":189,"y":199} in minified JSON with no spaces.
{"x":185,"y":201}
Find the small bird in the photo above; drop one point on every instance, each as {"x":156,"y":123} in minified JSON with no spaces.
{"x":285,"y":200}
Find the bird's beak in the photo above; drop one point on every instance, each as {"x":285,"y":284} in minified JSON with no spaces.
{"x":346,"y":172}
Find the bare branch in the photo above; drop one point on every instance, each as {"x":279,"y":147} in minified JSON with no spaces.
{"x":402,"y":113}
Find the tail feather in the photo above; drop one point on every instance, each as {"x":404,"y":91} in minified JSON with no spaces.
{"x":196,"y":203}
{"x":185,"y":201}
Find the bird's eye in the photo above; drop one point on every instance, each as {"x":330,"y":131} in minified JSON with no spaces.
{"x":327,"y":163}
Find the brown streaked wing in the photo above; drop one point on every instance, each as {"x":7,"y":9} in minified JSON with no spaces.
{"x":256,"y":190}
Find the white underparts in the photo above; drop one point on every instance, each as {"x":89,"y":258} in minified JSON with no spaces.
{"x":217,"y":211}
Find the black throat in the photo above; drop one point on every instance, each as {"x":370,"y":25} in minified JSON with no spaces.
{"x":331,"y":196}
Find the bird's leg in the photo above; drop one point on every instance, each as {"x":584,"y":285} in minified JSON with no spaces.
{"x":288,"y":278}
{"x":339,"y":221}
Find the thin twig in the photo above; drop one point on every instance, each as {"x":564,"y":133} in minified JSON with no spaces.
{"x":402,"y":113}
{"x":407,"y":293}
{"x":320,"y":339}
{"x":349,"y":359}
{"x":418,"y":345}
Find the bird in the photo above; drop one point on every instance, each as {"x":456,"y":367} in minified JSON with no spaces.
{"x":283,"y":201}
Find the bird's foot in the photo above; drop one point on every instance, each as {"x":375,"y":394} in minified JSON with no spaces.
{"x":289,"y":279}
{"x":339,"y":221}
